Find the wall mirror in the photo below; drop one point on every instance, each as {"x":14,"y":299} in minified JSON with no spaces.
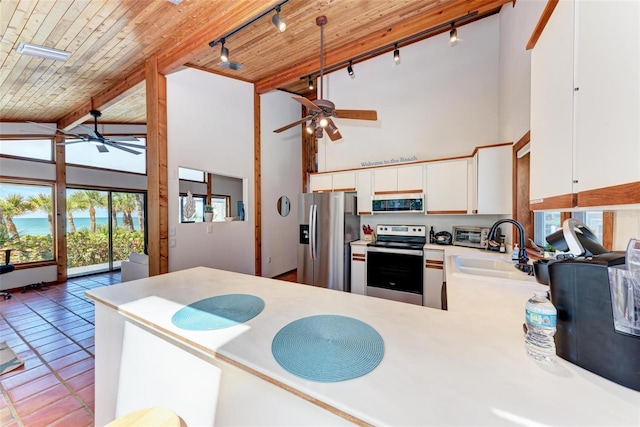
{"x":215,"y":197}
{"x":284,"y":206}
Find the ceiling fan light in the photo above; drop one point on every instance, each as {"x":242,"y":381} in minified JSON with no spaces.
{"x":311,"y":128}
{"x":332,"y":128}
{"x":318,"y":133}
{"x":323,"y":122}
{"x":278,"y":21}
{"x":224,"y":53}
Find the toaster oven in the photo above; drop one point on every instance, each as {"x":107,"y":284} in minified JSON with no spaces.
{"x":471,"y":236}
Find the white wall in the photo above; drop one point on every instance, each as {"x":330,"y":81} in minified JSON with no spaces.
{"x":281,"y":176}
{"x":516,"y":25}
{"x":440,"y":101}
{"x":210,"y":128}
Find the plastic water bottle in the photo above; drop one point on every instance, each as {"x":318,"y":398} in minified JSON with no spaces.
{"x":541,"y":327}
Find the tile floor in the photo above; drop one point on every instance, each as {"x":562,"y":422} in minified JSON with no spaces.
{"x":51,"y":329}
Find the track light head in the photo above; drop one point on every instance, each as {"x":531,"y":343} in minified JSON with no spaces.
{"x":311,"y":83}
{"x":224,"y":52}
{"x":396,"y":54}
{"x":350,"y":68}
{"x":453,"y":35}
{"x":278,"y":21}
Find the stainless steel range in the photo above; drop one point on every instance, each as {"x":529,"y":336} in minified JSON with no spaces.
{"x":395,"y":263}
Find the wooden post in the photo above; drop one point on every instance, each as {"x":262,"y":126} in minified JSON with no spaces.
{"x":61,"y":209}
{"x":257,"y":187}
{"x":157,"y":191}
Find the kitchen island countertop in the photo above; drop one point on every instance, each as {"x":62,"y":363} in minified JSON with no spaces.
{"x":464,"y":366}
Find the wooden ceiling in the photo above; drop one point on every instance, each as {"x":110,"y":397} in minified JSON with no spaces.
{"x":110,"y":40}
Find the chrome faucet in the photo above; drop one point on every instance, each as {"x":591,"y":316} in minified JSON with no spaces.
{"x":523,"y":259}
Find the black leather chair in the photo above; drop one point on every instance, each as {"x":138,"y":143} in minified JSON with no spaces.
{"x":6,"y":268}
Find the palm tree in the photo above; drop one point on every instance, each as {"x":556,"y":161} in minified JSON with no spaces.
{"x":139,"y":210}
{"x":75,"y":202}
{"x":43,"y":202}
{"x":127,"y":205}
{"x":12,"y":206}
{"x":95,"y":199}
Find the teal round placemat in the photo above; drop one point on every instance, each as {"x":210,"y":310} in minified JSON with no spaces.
{"x":218,"y":312}
{"x":328,"y":348}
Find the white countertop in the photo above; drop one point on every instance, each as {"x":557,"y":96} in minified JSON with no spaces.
{"x":463,"y":366}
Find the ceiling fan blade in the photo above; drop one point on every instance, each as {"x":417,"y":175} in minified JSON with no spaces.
{"x":357,"y":114}
{"x":71,"y":141}
{"x":59,"y":130}
{"x":119,"y":147}
{"x":90,"y":131}
{"x":101,"y":148}
{"x":126,"y":144}
{"x":290,"y":125}
{"x":123,"y":138}
{"x":304,"y":101}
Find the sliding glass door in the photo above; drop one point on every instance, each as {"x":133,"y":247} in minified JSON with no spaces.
{"x":103,"y":228}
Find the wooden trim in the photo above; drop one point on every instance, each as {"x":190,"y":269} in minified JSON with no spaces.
{"x":378,"y":193}
{"x":257,"y":185}
{"x":157,"y":188}
{"x":345,"y":189}
{"x":608,"y":223}
{"x":364,"y":213}
{"x":564,"y":216}
{"x":434,"y":261}
{"x":60,"y":207}
{"x":542,"y":22}
{"x":435,"y":267}
{"x":454,"y":212}
{"x":36,"y":264}
{"x":480,"y":147}
{"x":565,"y":201}
{"x":522,"y":142}
{"x":623,"y":194}
{"x":520,"y":182}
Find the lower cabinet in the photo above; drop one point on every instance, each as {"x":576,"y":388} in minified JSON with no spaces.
{"x":433,"y":280}
{"x":358,"y":269}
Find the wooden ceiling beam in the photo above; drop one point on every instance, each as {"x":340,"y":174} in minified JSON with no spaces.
{"x":377,"y":40}
{"x":172,"y":57}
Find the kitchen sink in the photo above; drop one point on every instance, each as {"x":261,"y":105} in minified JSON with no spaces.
{"x":483,"y":266}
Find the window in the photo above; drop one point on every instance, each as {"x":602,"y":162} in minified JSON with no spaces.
{"x":190,"y":174}
{"x":40,"y":149}
{"x":86,"y":154}
{"x":27,"y":224}
{"x":546,"y":223}
{"x":198,"y":216}
{"x":220,"y":207}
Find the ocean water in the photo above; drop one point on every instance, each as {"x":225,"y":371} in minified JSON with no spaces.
{"x":40,"y":226}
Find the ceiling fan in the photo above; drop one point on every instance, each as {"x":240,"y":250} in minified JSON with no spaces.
{"x":322,"y":110}
{"x":101,"y":142}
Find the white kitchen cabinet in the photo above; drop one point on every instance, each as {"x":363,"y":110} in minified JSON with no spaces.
{"x":433,"y":278}
{"x":400,"y":179}
{"x":363,"y":185}
{"x":447,"y":187}
{"x":584,"y":101}
{"x":320,"y":182}
{"x":344,"y":181}
{"x":338,"y":181}
{"x":358,"y":269}
{"x":494,"y":180}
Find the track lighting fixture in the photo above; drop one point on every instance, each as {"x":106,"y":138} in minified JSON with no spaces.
{"x":396,"y":54}
{"x":350,"y":68}
{"x":224,"y":52}
{"x":278,"y":21}
{"x":453,"y":34}
{"x":311,"y":83}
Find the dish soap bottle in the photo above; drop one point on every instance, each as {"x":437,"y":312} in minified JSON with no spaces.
{"x":515,"y":255}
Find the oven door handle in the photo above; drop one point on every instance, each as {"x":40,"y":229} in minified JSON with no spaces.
{"x":414,"y":252}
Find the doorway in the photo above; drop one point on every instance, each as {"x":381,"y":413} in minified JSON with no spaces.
{"x":103,"y":228}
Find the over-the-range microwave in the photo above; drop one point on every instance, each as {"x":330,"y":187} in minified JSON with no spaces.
{"x":398,"y":203}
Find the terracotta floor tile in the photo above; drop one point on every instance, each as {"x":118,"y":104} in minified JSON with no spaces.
{"x":41,"y":342}
{"x":33,"y":335}
{"x":76,"y":327}
{"x":88,"y":395}
{"x":32,"y":387}
{"x":21,"y":376}
{"x":81,"y":381}
{"x":80,"y":337}
{"x":60,"y":352}
{"x":54,"y":345}
{"x":53,"y":412}
{"x":69,"y":359}
{"x":87,"y":342}
{"x":76,"y":369}
{"x":40,"y":400}
{"x":78,"y":418}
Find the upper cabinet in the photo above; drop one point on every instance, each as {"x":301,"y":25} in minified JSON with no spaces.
{"x":447,"y":187}
{"x":585,"y":86}
{"x":493,"y":180}
{"x":339,"y":181}
{"x":400,"y":179}
{"x":363,"y":184}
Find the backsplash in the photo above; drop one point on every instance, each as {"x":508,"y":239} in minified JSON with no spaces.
{"x":626,"y":225}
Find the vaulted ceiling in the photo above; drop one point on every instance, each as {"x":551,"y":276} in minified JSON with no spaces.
{"x":110,"y":40}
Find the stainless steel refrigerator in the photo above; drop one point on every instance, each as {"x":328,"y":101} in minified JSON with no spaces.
{"x":327,"y":223}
